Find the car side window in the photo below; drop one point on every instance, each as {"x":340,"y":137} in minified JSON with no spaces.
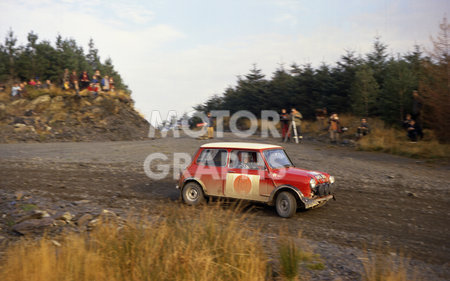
{"x":213,"y":157}
{"x":251,"y":160}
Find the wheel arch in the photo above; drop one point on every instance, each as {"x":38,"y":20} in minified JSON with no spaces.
{"x":196,"y":180}
{"x":297,"y":195}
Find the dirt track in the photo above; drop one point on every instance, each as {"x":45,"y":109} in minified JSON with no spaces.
{"x":381,"y":199}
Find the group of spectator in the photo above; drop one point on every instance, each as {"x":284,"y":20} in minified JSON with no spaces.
{"x":333,"y":126}
{"x":70,"y":81}
{"x":18,"y":90}
{"x":83,"y":81}
{"x":412,"y":127}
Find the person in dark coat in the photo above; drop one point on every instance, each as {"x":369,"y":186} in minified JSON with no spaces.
{"x":284,"y":119}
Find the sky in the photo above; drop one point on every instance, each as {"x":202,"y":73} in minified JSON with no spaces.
{"x":175,"y":54}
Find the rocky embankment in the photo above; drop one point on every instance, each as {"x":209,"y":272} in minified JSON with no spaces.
{"x":25,"y":214}
{"x":49,"y":116}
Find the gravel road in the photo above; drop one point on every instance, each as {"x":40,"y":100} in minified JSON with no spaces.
{"x":386,"y":200}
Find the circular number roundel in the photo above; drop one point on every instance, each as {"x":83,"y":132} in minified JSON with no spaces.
{"x":242,"y":184}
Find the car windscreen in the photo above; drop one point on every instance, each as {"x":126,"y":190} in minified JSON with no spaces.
{"x":277,"y":158}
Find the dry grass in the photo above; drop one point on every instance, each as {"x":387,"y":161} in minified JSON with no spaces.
{"x":290,"y":258}
{"x":187,"y":244}
{"x":205,"y":243}
{"x":382,"y":265}
{"x":295,"y":256}
{"x":384,"y":139}
{"x":395,"y":142}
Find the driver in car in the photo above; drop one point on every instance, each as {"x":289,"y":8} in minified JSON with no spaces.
{"x":246,"y":162}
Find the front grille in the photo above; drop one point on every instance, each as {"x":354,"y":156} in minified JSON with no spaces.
{"x":322,"y":190}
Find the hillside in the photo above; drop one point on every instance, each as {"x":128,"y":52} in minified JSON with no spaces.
{"x":56,"y":115}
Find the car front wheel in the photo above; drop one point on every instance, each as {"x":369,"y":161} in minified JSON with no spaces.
{"x":286,"y":204}
{"x":192,"y":194}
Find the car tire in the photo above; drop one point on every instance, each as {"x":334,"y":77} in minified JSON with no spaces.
{"x":285,"y":204}
{"x":193,"y":194}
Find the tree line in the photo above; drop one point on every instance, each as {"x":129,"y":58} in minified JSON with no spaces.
{"x":41,"y":60}
{"x":376,"y":84}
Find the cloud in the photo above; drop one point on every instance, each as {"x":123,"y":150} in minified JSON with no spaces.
{"x":286,"y":18}
{"x":138,"y":14}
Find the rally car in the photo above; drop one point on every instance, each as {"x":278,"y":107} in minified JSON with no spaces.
{"x":256,"y":172}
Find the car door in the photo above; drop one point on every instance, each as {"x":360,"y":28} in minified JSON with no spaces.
{"x":247,"y":176}
{"x":211,"y":170}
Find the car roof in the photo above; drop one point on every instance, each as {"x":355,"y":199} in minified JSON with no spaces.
{"x":240,"y":145}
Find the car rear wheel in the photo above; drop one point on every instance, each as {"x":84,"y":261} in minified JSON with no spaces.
{"x":286,"y":204}
{"x":193,"y":194}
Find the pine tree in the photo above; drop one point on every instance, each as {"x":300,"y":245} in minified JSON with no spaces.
{"x":395,"y":98}
{"x":92,"y":56}
{"x":435,"y":84}
{"x":364,"y":91}
{"x":11,"y":51}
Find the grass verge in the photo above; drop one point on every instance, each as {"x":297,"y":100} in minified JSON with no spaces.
{"x":186,"y":244}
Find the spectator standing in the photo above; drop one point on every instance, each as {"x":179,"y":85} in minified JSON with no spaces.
{"x":321,"y":115}
{"x":416,"y":106}
{"x":210,"y":126}
{"x":74,"y":82}
{"x":363,"y":129}
{"x":105,"y":83}
{"x":297,"y":117}
{"x":84,"y":80}
{"x":284,"y":118}
{"x":334,"y":127}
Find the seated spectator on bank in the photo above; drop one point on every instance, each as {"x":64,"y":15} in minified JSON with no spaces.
{"x":38,"y":84}
{"x":16,"y":91}
{"x":95,"y":79}
{"x":413,"y":131}
{"x":46,"y":85}
{"x":32,"y":83}
{"x":23,"y":90}
{"x":105,"y":83}
{"x":93,"y":89}
{"x":408,"y":119}
{"x":111,"y":84}
{"x":363,"y":128}
{"x":97,"y":73}
{"x":84,"y":80}
{"x":66,"y":85}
